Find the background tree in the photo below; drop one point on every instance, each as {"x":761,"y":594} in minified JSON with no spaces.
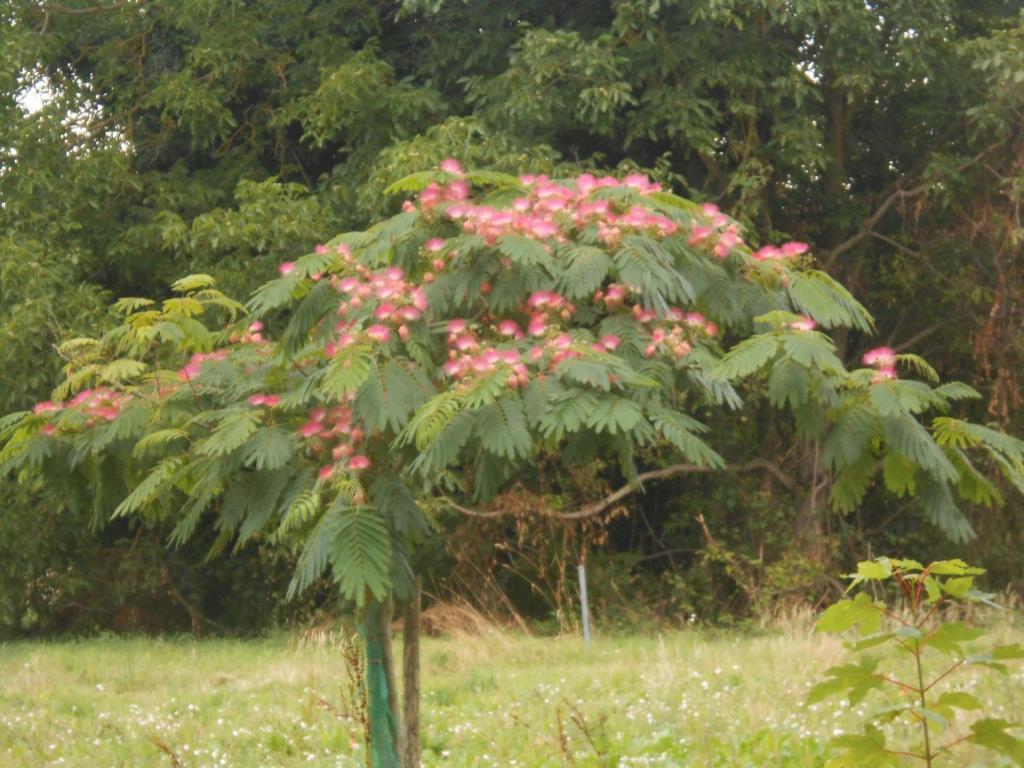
{"x":185,"y":136}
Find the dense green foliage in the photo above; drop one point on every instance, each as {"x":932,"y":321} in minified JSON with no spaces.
{"x":224,"y":138}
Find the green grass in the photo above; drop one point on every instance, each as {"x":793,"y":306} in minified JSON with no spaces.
{"x":687,"y":698}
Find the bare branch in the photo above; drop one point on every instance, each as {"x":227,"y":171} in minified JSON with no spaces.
{"x":597,"y":507}
{"x":872,"y":220}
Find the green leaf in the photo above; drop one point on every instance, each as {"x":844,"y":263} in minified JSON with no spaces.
{"x":865,"y":750}
{"x":749,"y":356}
{"x":788,"y":384}
{"x":269,"y":448}
{"x":951,"y":700}
{"x":583,"y":371}
{"x":158,"y":439}
{"x":347,"y":372}
{"x":1008,"y":652}
{"x":193,"y":283}
{"x":874,"y":570}
{"x":232,"y":431}
{"x":361,"y":554}
{"x":587,"y":268}
{"x":992,"y":733}
{"x":818,"y":295}
{"x":153,"y":484}
{"x":852,"y":680}
{"x":501,"y":428}
{"x":949,"y":637}
{"x":852,"y":483}
{"x":615,"y":415}
{"x":847,"y":613}
{"x":898,"y":473}
{"x":526,"y":252}
{"x":415,"y":182}
{"x":120,"y":370}
{"x":954,"y":567}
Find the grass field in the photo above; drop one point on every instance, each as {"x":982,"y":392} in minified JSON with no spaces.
{"x":687,"y":698}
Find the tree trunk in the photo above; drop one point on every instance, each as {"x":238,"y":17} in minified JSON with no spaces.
{"x":410,"y":742}
{"x":380,"y":686}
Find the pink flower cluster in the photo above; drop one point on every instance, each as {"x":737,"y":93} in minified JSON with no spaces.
{"x":803,"y":324}
{"x":550,"y":211}
{"x":544,"y":308}
{"x":252,"y":335}
{"x":270,"y":401}
{"x":788,"y":250}
{"x":395,"y":301}
{"x":883,"y":359}
{"x":467,"y":356}
{"x":195,"y":364}
{"x":99,"y":403}
{"x":332,"y":430}
{"x":721,"y":232}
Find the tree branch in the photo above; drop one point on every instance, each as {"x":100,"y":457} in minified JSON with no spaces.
{"x":871,"y":221}
{"x":597,"y":507}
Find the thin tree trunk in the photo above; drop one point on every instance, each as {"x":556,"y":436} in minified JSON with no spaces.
{"x":387,"y":614}
{"x":379,"y":686}
{"x":410,"y":741}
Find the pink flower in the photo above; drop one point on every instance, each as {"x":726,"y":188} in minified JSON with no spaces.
{"x":539,"y":299}
{"x":880,"y":357}
{"x":309,"y":429}
{"x":379,"y":333}
{"x":458,"y":190}
{"x":615,"y":293}
{"x":325,"y":473}
{"x":46,"y":406}
{"x":286,"y":268}
{"x":268,"y":400}
{"x":394,"y":273}
{"x":884,"y":373}
{"x":451,"y":165}
{"x":610,"y":342}
{"x":803,"y":324}
{"x":462,"y":343}
{"x":419,"y":299}
{"x":434,"y":245}
{"x":508,"y":327}
{"x":563,"y":341}
{"x":767,"y":253}
{"x":256,"y":327}
{"x":456,"y":326}
{"x":358,"y":462}
{"x":538,"y":326}
{"x":793,"y":248}
{"x":699,"y":234}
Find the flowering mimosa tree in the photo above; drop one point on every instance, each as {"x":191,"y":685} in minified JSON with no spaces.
{"x":494,"y":329}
